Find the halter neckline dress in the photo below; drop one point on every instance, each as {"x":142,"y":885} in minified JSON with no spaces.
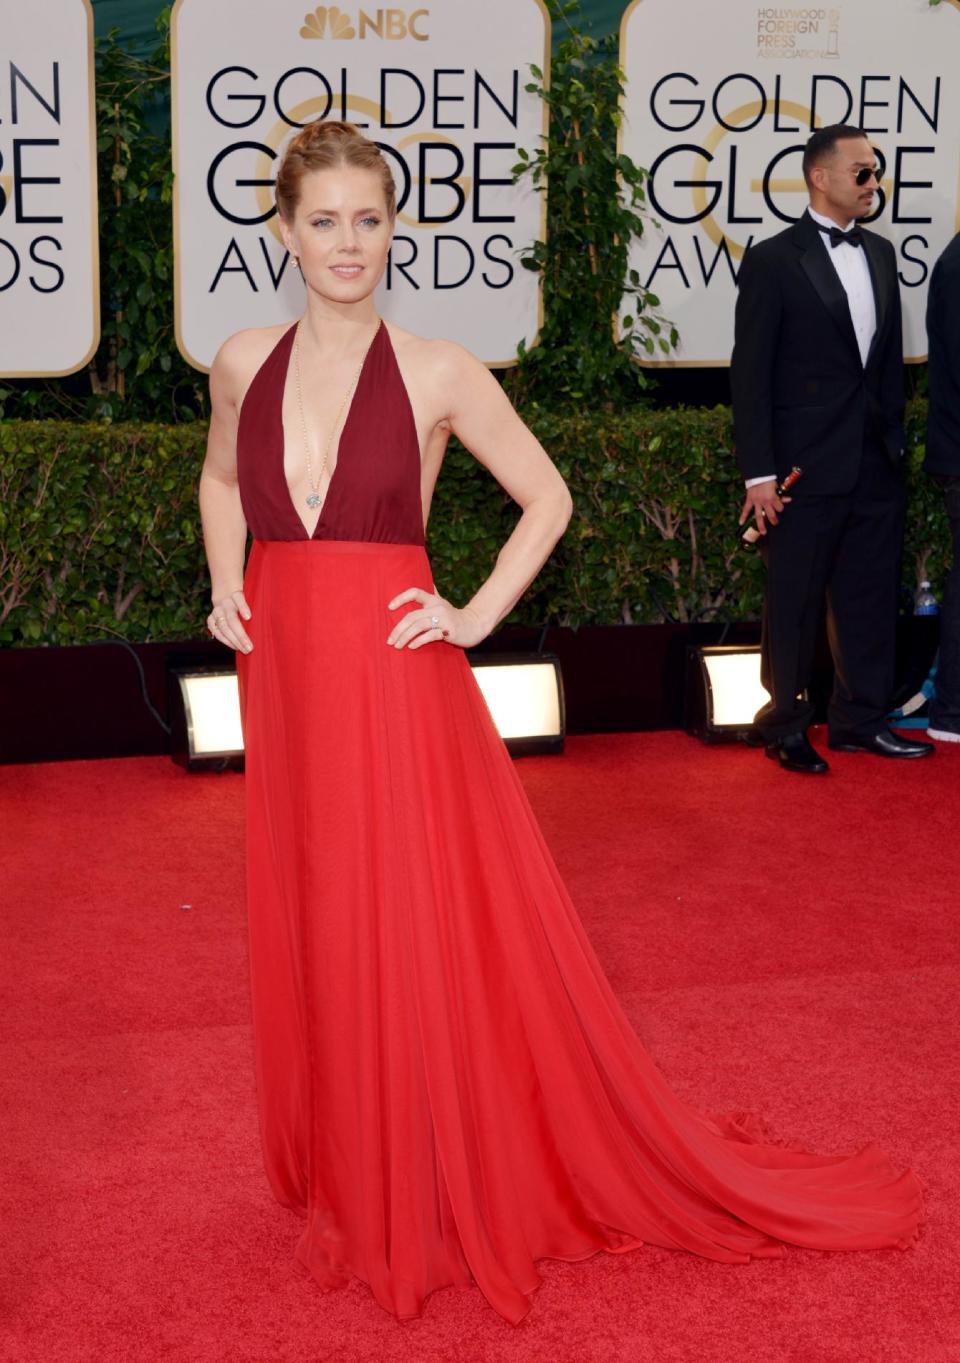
{"x":448,"y":1089}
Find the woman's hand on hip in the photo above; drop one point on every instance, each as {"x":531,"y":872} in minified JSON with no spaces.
{"x":436,"y":622}
{"x":224,"y":622}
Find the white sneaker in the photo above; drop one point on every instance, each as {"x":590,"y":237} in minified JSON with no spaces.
{"x":944,"y":735}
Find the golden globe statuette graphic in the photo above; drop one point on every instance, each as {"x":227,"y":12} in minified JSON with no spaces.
{"x":722,"y":125}
{"x":244,"y":82}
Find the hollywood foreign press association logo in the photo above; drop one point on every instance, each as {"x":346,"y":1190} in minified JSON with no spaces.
{"x":330,"y":21}
{"x":808,"y":31}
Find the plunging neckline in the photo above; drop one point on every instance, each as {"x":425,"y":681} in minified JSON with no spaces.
{"x":312,"y":534}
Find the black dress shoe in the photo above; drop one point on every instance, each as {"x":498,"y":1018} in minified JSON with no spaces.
{"x":885,"y":744}
{"x":796,"y":753}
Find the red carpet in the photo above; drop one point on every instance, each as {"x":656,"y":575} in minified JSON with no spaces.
{"x":784,"y":944}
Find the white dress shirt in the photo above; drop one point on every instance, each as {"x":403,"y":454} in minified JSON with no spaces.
{"x":850,"y":263}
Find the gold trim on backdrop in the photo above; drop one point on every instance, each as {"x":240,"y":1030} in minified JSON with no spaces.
{"x":353,"y":101}
{"x":545,"y":132}
{"x":618,"y":335}
{"x":623,"y":28}
{"x":94,"y":223}
{"x":957,"y":218}
{"x":174,"y":147}
{"x":94,"y":190}
{"x":922,"y":359}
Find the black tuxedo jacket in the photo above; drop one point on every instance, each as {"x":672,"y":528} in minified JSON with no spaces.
{"x":801,"y":394}
{"x":943,"y":335}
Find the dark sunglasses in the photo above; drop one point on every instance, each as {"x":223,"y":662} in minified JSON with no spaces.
{"x":864,"y":174}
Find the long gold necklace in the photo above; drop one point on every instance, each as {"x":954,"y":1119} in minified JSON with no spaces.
{"x":313,"y":498}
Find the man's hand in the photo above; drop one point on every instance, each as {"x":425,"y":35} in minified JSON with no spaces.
{"x":761,"y":501}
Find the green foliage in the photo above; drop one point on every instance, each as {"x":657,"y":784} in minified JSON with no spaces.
{"x":927,"y":545}
{"x":99,"y":533}
{"x":137,"y":372}
{"x":596,"y":207}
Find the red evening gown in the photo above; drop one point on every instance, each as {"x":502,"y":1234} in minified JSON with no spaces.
{"x":448,"y":1089}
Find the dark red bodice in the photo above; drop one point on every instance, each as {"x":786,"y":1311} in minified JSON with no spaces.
{"x":374,"y":494}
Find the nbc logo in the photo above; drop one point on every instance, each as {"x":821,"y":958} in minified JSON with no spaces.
{"x":330,"y":21}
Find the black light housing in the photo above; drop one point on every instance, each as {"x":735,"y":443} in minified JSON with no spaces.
{"x":524,"y":693}
{"x":723,"y":692}
{"x":204,"y":709}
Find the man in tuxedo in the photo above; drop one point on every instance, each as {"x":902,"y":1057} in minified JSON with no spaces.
{"x":817,"y":382}
{"x":943,"y":462}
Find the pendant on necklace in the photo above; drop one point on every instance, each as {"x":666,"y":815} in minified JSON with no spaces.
{"x":313,"y":499}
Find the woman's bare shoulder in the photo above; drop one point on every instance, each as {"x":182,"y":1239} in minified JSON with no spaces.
{"x":437,"y":360}
{"x":242,"y":354}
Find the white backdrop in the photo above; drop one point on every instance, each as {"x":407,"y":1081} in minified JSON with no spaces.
{"x":721,"y":97}
{"x":439,"y":87}
{"x":49,"y":265}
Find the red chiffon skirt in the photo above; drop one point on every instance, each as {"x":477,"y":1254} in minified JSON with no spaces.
{"x":448,"y":1089}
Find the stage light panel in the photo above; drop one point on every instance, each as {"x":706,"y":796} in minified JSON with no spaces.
{"x":205,"y":715}
{"x":525,"y":698}
{"x":735,"y":686}
{"x":723,"y":691}
{"x":213,"y":713}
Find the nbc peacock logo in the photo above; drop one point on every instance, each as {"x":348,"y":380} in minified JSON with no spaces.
{"x":324,"y":22}
{"x":330,"y":21}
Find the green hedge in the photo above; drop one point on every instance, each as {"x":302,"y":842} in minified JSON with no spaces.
{"x":99,"y":532}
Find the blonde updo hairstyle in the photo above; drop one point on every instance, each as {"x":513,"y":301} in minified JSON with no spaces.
{"x":326,"y":146}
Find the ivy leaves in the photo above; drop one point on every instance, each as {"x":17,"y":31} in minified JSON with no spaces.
{"x":596,"y":207}
{"x":138,"y":370}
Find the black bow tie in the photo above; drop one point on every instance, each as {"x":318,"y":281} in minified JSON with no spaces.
{"x":853,"y":238}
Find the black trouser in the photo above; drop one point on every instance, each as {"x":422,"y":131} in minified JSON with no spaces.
{"x":845,"y":549}
{"x":945,"y":705}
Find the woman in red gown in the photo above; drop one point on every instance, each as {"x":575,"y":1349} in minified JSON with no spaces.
{"x":448,"y":1089}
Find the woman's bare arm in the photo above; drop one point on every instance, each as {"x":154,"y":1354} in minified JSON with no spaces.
{"x":481,"y":416}
{"x":224,"y":524}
